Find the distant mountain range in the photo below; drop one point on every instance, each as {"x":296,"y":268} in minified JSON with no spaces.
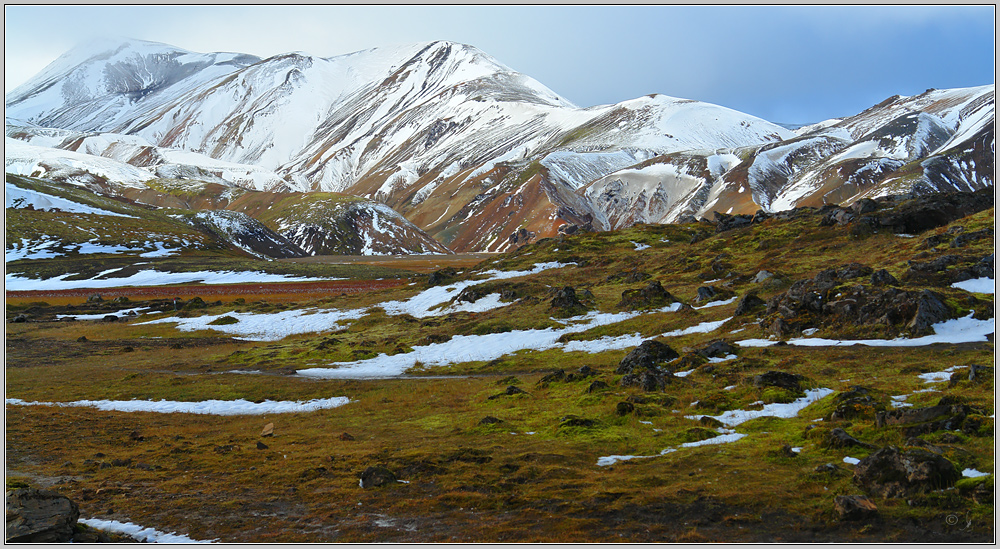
{"x":471,"y":154}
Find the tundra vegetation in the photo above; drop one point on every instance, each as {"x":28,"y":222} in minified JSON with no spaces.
{"x":614,"y":442}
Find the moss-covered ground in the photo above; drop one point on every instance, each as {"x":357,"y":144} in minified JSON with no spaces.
{"x":533,"y":476}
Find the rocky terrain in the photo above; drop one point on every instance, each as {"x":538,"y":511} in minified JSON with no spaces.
{"x":811,"y":375}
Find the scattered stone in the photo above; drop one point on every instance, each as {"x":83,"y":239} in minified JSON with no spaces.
{"x":262,"y":446}
{"x":39,"y":516}
{"x":917,"y":421}
{"x":826,"y":468}
{"x":786,"y":451}
{"x":653,"y":295}
{"x":82,"y":339}
{"x":441,"y":276}
{"x":882,"y":277}
{"x":855,"y":508}
{"x":572,"y":421}
{"x":96,"y":298}
{"x":748,"y":303}
{"x":716,"y":348}
{"x":346,"y":437}
{"x":469,"y":294}
{"x":117,"y":462}
{"x":511,"y":390}
{"x":373,"y":477}
{"x":624,"y":408}
{"x":646,"y":356}
{"x":889,"y":473}
{"x":761,"y":276}
{"x":135,"y":436}
{"x":858,"y":402}
{"x":557,"y":375}
{"x":775,"y":378}
{"x":567,"y":302}
{"x":490,"y":420}
{"x":268,"y":430}
{"x":110,"y":318}
{"x":597,"y":386}
{"x":840,"y":439}
{"x":649,"y":380}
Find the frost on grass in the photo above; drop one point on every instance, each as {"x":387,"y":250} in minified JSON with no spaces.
{"x":206,"y":407}
{"x":144,"y":535}
{"x":957,"y":330}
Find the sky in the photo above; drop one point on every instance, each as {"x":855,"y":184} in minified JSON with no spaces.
{"x":786,"y":64}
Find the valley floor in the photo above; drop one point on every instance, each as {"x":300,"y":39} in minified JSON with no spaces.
{"x":226,"y":419}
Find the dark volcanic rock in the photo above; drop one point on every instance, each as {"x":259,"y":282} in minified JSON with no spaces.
{"x":747,"y":304}
{"x":854,"y":508}
{"x":653,"y":295}
{"x":597,"y":386}
{"x":858,"y":402}
{"x":647,"y":355}
{"x":39,"y":516}
{"x":373,"y":477}
{"x":490,"y":420}
{"x":511,"y":390}
{"x":716,"y":348}
{"x":774,"y":378}
{"x":882,"y":277}
{"x":840,"y":439}
{"x":624,"y":408}
{"x":649,"y":380}
{"x":919,"y":214}
{"x":917,"y":421}
{"x":889,"y":473}
{"x":567,"y":302}
{"x":441,"y":276}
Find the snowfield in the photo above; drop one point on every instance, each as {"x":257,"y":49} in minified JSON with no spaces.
{"x":205,"y":407}
{"x":150,"y":277}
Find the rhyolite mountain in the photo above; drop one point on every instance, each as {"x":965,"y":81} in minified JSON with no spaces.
{"x":474,"y":154}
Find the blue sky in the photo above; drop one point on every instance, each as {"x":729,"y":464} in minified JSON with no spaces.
{"x":794,"y":64}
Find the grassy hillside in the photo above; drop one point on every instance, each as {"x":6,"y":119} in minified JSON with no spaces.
{"x":541,"y":444}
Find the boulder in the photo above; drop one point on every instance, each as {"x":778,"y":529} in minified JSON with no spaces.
{"x":597,"y":386}
{"x":840,"y":439}
{"x":929,"y":211}
{"x":747,"y":304}
{"x":775,"y":378}
{"x":39,"y":516}
{"x":566,"y":301}
{"x":511,"y":390}
{"x":624,"y":408}
{"x":858,"y":402}
{"x":490,"y":420}
{"x":917,"y":421}
{"x":649,"y":380}
{"x":854,"y":508}
{"x":882,"y":277}
{"x":891,"y":473}
{"x":715,"y":349}
{"x":648,"y":355}
{"x":373,"y":477}
{"x":653,"y":295}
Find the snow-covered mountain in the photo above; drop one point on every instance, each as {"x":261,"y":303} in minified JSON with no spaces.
{"x":473,"y":152}
{"x":940,"y":140}
{"x":439,"y":131}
